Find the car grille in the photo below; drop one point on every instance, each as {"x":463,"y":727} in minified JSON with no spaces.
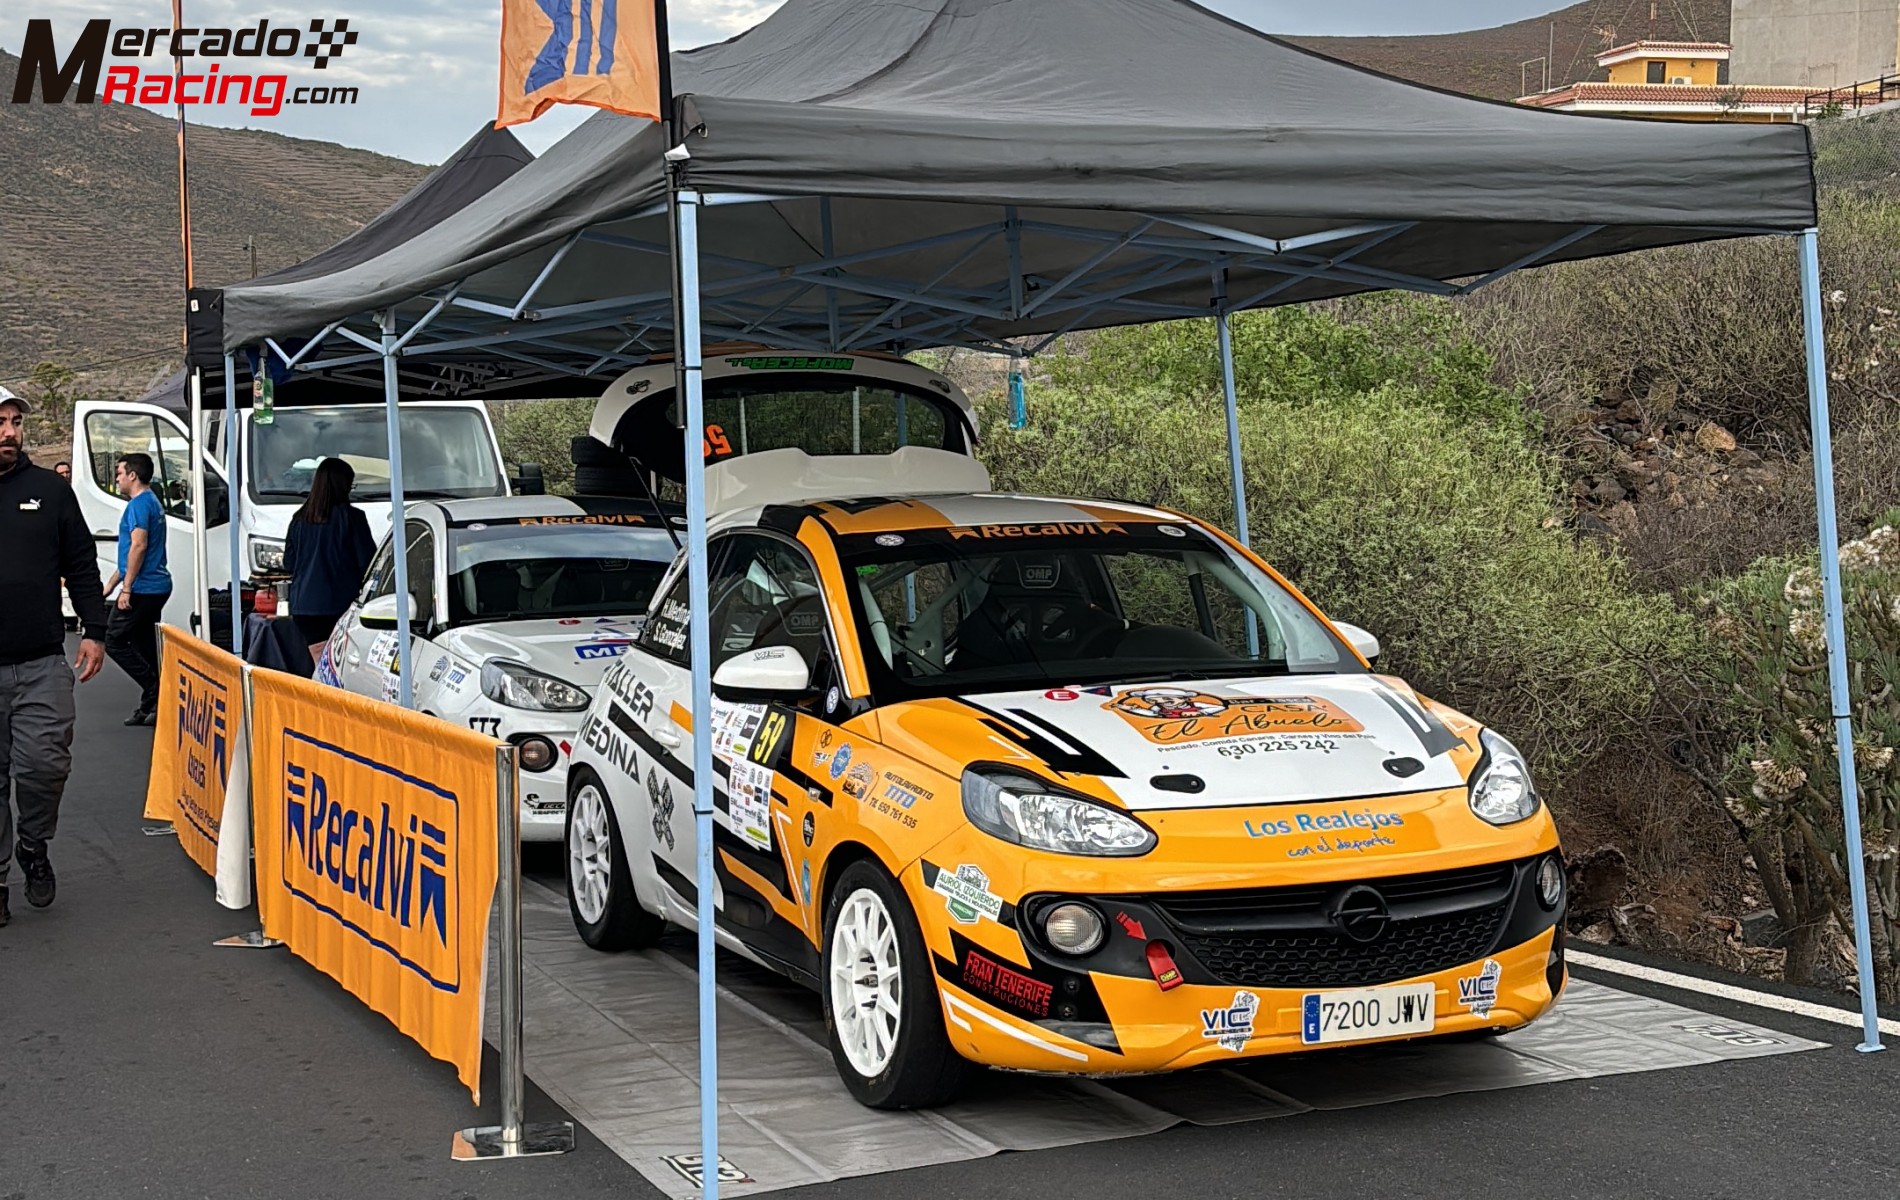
{"x":1285,"y":937}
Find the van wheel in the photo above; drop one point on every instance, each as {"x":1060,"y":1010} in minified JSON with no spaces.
{"x":882,"y":1011}
{"x":600,"y":894}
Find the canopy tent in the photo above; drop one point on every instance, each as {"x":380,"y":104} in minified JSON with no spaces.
{"x":894,"y":174}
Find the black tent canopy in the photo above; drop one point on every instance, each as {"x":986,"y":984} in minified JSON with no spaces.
{"x":902,"y":173}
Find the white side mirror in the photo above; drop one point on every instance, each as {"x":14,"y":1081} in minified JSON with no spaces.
{"x":380,"y":613}
{"x":773,"y":673}
{"x":1359,"y":639}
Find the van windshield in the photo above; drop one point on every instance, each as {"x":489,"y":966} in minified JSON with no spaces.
{"x":447,"y":453}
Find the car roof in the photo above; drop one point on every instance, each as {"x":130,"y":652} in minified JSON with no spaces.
{"x":965,"y":510}
{"x":548,"y":510}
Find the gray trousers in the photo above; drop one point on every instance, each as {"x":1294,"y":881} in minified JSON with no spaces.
{"x":36,"y":749}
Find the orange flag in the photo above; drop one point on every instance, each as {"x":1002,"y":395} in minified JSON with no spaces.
{"x":600,"y":52}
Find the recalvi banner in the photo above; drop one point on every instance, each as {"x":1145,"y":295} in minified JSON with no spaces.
{"x":200,"y":771}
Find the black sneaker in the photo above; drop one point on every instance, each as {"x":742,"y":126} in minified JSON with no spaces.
{"x":142,"y":717}
{"x":6,"y":914}
{"x":39,"y":875}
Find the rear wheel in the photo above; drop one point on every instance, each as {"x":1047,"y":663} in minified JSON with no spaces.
{"x":882,"y":1010}
{"x":600,"y":893}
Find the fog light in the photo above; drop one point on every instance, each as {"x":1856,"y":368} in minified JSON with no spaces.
{"x":1550,"y":881}
{"x":535,"y":753}
{"x":1073,"y":928}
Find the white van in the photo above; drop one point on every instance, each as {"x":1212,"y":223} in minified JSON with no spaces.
{"x":449,"y":452}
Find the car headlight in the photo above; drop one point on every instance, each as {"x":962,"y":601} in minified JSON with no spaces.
{"x":518,"y":687}
{"x":1501,"y":792}
{"x":267,"y":556}
{"x":1027,"y":812}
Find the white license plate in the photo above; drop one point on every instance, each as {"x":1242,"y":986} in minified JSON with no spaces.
{"x":1354,"y":1016}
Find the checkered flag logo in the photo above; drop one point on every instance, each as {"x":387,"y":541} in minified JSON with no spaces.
{"x":326,"y":42}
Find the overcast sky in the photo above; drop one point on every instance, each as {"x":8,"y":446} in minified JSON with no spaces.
{"x":427,"y":68}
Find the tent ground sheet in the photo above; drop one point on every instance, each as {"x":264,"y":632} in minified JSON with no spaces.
{"x":614,"y":1039}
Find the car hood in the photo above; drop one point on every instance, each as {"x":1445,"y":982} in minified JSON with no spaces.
{"x":1208,"y":744}
{"x":576,"y":649}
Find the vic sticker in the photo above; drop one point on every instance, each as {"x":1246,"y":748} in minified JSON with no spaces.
{"x":1479,"y":992}
{"x":1231,"y":1027}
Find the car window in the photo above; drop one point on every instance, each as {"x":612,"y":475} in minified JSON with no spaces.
{"x":422,"y":568}
{"x":766,"y":593}
{"x":380,"y":580}
{"x":112,"y":435}
{"x":503,"y":572}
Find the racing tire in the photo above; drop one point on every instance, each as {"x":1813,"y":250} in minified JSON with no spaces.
{"x":590,"y":451}
{"x":607,"y":481}
{"x":883,"y":1014}
{"x":598,"y":880}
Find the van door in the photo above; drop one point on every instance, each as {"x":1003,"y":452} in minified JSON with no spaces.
{"x":105,"y":431}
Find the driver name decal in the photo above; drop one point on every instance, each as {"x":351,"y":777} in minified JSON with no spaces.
{"x":1176,"y":716}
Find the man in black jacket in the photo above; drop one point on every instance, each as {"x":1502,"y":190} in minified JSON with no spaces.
{"x":45,"y":539}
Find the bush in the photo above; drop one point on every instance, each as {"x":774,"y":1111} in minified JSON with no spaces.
{"x":1439,"y":535}
{"x":1781,"y":779}
{"x":539,"y":431}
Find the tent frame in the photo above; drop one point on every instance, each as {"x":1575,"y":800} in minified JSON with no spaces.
{"x":750,"y":302}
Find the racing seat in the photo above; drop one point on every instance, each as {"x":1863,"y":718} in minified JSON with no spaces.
{"x":1037,"y":609}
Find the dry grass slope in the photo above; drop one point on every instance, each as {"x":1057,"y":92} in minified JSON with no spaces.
{"x":89,"y":256}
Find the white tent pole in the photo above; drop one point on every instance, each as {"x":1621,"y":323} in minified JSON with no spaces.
{"x":398,"y":530}
{"x":232,"y":500}
{"x":200,"y":519}
{"x":1839,"y":700}
{"x":1223,"y":326}
{"x":699,"y":638}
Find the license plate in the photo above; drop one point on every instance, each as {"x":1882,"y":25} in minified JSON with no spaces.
{"x":1354,"y":1016}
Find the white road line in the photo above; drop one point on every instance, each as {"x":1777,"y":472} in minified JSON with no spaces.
{"x":1727,"y":991}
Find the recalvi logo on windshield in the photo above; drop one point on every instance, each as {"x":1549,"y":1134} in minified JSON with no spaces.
{"x":76,"y":73}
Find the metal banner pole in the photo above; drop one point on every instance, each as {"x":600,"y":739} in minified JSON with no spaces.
{"x":232,"y":500}
{"x":688,"y":349}
{"x":200,"y":519}
{"x":512,"y":1138}
{"x":1223,"y":326}
{"x":398,"y":531}
{"x":256,"y":939}
{"x":1839,"y":701}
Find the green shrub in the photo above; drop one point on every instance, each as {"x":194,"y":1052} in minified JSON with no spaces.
{"x":1439,"y":535}
{"x":539,"y":431}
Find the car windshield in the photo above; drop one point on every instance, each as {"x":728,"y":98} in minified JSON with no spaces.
{"x":447,"y":453}
{"x":525,"y":572}
{"x":998,"y":607}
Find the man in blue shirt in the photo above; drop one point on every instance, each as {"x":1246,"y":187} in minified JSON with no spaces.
{"x":132,"y":630}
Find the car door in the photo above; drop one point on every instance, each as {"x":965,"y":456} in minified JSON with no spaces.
{"x":370,"y":665}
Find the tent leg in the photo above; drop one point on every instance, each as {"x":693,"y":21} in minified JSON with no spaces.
{"x":398,"y":530}
{"x":701,"y":650}
{"x":200,"y":519}
{"x":1223,"y":325}
{"x":1836,"y":629}
{"x":232,"y":500}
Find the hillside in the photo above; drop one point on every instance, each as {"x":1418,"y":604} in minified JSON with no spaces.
{"x":90,"y":266}
{"x":1484,"y":62}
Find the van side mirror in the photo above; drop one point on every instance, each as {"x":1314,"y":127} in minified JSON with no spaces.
{"x":1366,"y":644}
{"x":761,"y":676}
{"x":380,"y":613}
{"x":529,"y":480}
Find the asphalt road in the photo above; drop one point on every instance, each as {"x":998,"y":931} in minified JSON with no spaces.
{"x":137,"y":1060}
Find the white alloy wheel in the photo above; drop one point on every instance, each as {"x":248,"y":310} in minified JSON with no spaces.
{"x":867,"y":982}
{"x":590,"y":853}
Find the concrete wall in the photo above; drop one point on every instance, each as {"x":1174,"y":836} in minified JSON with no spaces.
{"x":1814,"y":43}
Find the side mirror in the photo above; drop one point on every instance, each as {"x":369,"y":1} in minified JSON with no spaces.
{"x":380,"y":613}
{"x":217,"y":501}
{"x":1359,"y":639}
{"x":529,"y":481}
{"x":762,"y":676}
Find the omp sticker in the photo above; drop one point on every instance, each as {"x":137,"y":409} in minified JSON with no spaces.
{"x":967,"y":891}
{"x":1231,"y":1027}
{"x":1479,"y":992}
{"x":1173,"y":716}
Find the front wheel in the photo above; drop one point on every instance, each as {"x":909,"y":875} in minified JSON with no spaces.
{"x":882,"y":1011}
{"x":600,"y":893}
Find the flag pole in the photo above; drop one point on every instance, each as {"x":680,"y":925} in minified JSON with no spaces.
{"x":194,"y":469}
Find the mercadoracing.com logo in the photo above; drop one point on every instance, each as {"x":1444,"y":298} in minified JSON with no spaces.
{"x":77,"y":72}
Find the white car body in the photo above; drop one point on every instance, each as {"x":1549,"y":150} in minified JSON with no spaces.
{"x":451,"y":646}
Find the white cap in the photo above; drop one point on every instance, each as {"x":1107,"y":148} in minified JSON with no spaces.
{"x":19,"y":401}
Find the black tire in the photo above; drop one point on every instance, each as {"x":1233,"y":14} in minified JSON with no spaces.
{"x":592,"y":452}
{"x":623,"y":924}
{"x":607,"y":481}
{"x":923,"y":1070}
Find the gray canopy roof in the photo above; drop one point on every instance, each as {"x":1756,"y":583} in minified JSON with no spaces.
{"x":985,"y":169}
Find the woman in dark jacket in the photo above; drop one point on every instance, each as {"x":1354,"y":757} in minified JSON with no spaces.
{"x":326,"y":552}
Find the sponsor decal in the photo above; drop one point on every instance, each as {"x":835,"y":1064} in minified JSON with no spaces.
{"x":1161,"y":966}
{"x":1362,"y":830}
{"x":456,"y":677}
{"x":1173,"y":716}
{"x":672,"y":621}
{"x":804,"y":871}
{"x":857,"y":783}
{"x":808,"y":829}
{"x":569,"y":621}
{"x":902,"y":792}
{"x":660,"y":793}
{"x":884,"y":539}
{"x":831,"y":700}
{"x":486,"y":726}
{"x":805,"y":624}
{"x":1052,"y":529}
{"x":591,"y":651}
{"x":1172,"y":530}
{"x":749,"y":803}
{"x":203,"y":721}
{"x":692,"y":1168}
{"x":314,"y":43}
{"x":1131,"y":927}
{"x":986,"y":977}
{"x":791,"y":362}
{"x":967,"y":894}
{"x":1733,"y":1035}
{"x":1061,"y":694}
{"x":1479,"y":992}
{"x":841,"y":761}
{"x":441,"y":666}
{"x":603,"y":739}
{"x":1231,"y":1027}
{"x":585,"y":519}
{"x":631,"y":690}
{"x":32,"y":505}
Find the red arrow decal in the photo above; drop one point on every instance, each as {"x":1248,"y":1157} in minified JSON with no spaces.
{"x":1131,"y":926}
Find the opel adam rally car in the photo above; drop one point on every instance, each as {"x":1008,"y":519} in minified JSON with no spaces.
{"x":520,"y":604}
{"x":1053,"y":786}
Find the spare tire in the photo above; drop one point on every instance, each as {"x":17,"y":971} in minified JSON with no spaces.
{"x":608,"y":481}
{"x":592,"y":452}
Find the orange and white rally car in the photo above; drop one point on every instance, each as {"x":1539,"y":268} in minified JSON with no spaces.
{"x":1055,"y":786}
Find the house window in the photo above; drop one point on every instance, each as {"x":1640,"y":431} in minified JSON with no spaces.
{"x":1657,"y":71}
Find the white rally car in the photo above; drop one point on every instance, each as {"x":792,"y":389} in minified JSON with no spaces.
{"x":519,"y":605}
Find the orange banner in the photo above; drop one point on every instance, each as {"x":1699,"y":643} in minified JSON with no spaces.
{"x":376,"y":834}
{"x":605,"y":53}
{"x":197,"y":745}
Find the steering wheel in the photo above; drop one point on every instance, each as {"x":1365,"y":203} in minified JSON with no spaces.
{"x":1090,"y":632}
